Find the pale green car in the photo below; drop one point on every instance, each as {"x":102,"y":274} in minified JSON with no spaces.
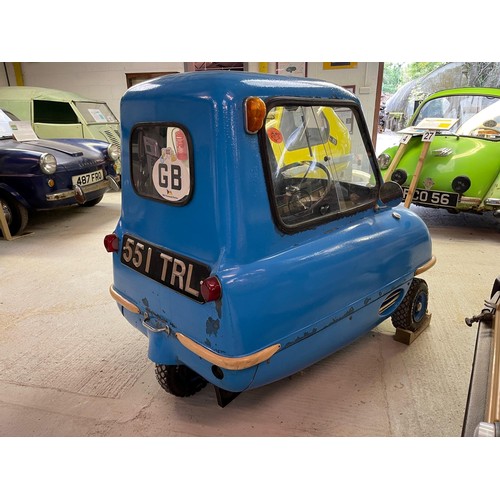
{"x":57,"y":114}
{"x":460,"y":171}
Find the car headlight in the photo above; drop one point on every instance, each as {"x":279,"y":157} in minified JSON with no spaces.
{"x":48,"y":164}
{"x":460,"y":184}
{"x":399,"y":176}
{"x":384,"y":160}
{"x":113,"y":152}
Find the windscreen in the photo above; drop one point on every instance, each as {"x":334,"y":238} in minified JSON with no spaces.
{"x":318,"y":163}
{"x":476,"y":115}
{"x":96,"y":112}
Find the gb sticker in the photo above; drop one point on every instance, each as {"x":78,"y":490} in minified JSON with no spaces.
{"x":171,"y":176}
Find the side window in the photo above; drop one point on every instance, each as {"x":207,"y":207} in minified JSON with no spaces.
{"x":161,"y":163}
{"x":318,"y":168}
{"x":53,"y":112}
{"x":96,"y":112}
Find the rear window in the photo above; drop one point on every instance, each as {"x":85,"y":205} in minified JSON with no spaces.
{"x":161,"y":163}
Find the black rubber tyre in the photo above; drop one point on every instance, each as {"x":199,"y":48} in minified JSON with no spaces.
{"x":93,"y":203}
{"x":15,"y":214}
{"x":179,"y":380}
{"x":411,"y":312}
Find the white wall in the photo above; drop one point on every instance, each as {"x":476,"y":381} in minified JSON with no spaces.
{"x":7,"y":75}
{"x":103,"y":81}
{"x":107,"y":81}
{"x":364,"y":77}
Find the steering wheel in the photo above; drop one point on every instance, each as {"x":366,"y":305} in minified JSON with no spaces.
{"x":307,"y":191}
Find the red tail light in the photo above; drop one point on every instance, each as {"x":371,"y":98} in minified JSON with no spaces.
{"x":211,"y":289}
{"x":111,"y":242}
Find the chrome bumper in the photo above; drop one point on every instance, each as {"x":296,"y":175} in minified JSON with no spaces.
{"x":108,"y":183}
{"x":230,"y":363}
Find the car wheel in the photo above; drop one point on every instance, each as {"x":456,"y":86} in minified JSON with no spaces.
{"x":93,"y":203}
{"x":413,"y":309}
{"x":15,"y":214}
{"x":179,"y":380}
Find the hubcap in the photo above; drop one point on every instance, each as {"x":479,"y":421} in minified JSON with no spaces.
{"x":420,"y":307}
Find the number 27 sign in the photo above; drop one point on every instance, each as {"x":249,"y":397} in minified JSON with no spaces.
{"x":428,"y":135}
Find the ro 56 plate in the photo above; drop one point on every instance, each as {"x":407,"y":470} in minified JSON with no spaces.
{"x":433,"y":198}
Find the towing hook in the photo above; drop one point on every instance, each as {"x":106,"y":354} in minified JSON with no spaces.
{"x":484,"y":316}
{"x":154,"y":328}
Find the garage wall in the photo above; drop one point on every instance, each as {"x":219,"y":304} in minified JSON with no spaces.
{"x":107,"y":81}
{"x":3,"y":77}
{"x":364,"y":76}
{"x":7,"y":74}
{"x":96,"y":80}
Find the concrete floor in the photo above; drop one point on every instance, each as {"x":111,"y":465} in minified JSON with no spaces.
{"x":70,"y":365}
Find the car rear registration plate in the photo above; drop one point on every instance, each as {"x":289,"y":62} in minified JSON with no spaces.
{"x":164,"y":266}
{"x":86,"y":179}
{"x":434,"y":198}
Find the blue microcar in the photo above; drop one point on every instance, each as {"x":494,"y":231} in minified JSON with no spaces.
{"x":256,"y":235}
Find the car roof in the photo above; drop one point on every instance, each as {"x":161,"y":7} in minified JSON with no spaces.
{"x":20,"y":93}
{"x":486,"y":91}
{"x":218,"y":84}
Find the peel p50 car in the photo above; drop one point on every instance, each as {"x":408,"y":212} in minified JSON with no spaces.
{"x":38,"y":174}
{"x":461,"y":168}
{"x":256,"y":235}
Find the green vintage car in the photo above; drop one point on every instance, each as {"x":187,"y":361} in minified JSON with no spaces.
{"x":57,"y":114}
{"x":454,"y":140}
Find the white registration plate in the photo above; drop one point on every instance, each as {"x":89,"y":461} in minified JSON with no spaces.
{"x":86,"y":179}
{"x":434,"y":198}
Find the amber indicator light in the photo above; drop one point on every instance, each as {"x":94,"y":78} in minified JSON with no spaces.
{"x":255,"y":111}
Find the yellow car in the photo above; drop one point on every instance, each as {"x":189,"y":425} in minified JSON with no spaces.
{"x":311,"y":144}
{"x":298,"y":134}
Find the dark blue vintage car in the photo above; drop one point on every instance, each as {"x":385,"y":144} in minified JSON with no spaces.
{"x":38,"y":174}
{"x":257,"y":235}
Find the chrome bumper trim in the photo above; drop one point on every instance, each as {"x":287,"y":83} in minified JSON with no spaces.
{"x":426,"y":266}
{"x":492,"y":201}
{"x":123,"y":301}
{"x":63,"y":195}
{"x":237,"y":363}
